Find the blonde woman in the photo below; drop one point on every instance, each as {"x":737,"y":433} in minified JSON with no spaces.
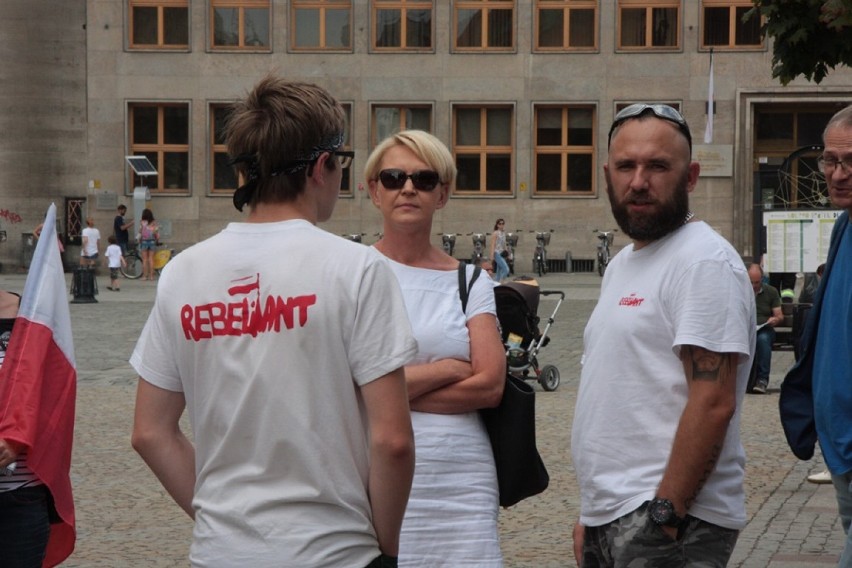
{"x":451,"y":519}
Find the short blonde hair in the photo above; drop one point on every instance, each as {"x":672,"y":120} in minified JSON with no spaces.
{"x":423,"y":145}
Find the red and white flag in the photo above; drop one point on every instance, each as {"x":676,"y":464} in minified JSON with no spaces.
{"x":38,"y":386}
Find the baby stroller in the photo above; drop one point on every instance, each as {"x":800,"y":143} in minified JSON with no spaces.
{"x":517,"y":308}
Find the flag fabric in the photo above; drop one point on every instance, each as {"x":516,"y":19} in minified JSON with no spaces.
{"x":38,"y":386}
{"x":711,"y":106}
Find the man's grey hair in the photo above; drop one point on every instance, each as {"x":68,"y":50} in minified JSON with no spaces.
{"x":842,"y":118}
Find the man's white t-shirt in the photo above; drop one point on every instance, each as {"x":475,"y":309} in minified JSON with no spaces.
{"x":91,"y":246}
{"x":688,"y":288}
{"x":269,"y":330}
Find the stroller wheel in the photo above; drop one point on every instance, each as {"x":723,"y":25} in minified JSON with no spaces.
{"x":549,"y":378}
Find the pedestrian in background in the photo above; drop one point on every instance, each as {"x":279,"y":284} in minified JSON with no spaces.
{"x":147,"y":237}
{"x":499,"y":254}
{"x":115,"y":262}
{"x":451,"y":518}
{"x":666,"y":357}
{"x":816,"y":395}
{"x":91,"y":238}
{"x":303,"y":451}
{"x":120,"y":228}
{"x":769,"y":315}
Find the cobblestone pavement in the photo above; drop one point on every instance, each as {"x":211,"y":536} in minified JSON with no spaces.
{"x":124,"y":518}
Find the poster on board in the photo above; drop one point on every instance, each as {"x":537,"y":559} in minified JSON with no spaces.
{"x":797,"y":241}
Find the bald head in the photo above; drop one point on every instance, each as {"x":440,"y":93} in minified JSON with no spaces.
{"x":755,"y":274}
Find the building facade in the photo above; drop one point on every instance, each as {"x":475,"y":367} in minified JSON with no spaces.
{"x":522,"y":91}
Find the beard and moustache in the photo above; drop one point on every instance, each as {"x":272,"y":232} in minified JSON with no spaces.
{"x":646,"y":227}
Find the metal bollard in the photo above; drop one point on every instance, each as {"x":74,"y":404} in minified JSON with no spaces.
{"x":83,"y":285}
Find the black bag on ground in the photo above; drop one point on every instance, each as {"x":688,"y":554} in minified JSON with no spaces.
{"x":511,"y":428}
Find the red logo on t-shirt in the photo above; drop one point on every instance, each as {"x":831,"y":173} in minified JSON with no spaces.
{"x":245,"y":316}
{"x":631,"y":301}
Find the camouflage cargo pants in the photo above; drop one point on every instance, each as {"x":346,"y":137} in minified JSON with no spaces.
{"x":634,"y":541}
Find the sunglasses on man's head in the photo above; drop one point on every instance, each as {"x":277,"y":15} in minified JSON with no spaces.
{"x":660,"y":111}
{"x":423,"y":180}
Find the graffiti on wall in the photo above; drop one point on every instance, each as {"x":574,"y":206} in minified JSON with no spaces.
{"x":10,"y":216}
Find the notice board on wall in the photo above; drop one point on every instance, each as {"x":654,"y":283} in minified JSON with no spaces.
{"x":797,"y":241}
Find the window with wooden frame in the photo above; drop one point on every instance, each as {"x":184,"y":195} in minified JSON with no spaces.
{"x":402,"y":25}
{"x":160,"y":131}
{"x":566,"y":25}
{"x":483,"y":148}
{"x":388,"y":118}
{"x":321,"y":25}
{"x":564,"y":150}
{"x":223,"y":179}
{"x":722,"y":25}
{"x":649,"y":24}
{"x":239,"y":25}
{"x":484,"y":25}
{"x":159,"y":24}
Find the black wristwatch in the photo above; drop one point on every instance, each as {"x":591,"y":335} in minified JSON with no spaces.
{"x":662,"y":512}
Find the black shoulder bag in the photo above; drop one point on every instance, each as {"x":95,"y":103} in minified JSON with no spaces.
{"x":511,"y":427}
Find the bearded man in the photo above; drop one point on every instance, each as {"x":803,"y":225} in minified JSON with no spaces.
{"x":667,"y":353}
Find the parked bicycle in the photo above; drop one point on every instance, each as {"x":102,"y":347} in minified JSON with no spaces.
{"x":448,"y":242}
{"x":132,"y":268}
{"x":542,"y":239}
{"x":476,"y":256}
{"x":511,"y":245}
{"x":604,"y":242}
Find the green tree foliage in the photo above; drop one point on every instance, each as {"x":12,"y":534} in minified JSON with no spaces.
{"x":810,"y":37}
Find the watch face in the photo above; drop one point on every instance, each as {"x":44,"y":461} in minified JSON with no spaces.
{"x":661,"y":511}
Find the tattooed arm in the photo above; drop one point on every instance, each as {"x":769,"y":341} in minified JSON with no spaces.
{"x":712,"y":380}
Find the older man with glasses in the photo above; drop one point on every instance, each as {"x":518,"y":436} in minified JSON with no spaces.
{"x":667,"y":353}
{"x":816,"y":395}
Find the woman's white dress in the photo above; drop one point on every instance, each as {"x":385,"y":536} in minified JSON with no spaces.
{"x":451,"y":518}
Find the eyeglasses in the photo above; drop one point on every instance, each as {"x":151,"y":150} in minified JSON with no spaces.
{"x":423,"y":180}
{"x":345,"y":157}
{"x":660,"y":111}
{"x":827,"y":164}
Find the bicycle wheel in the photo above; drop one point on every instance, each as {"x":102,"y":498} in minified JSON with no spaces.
{"x":133,"y":270}
{"x":543,"y":263}
{"x":603,"y":261}
{"x":539,"y":265}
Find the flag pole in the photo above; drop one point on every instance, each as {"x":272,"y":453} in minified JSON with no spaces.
{"x":711,"y":105}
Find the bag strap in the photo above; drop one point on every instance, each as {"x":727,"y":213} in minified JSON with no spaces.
{"x":464,"y":288}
